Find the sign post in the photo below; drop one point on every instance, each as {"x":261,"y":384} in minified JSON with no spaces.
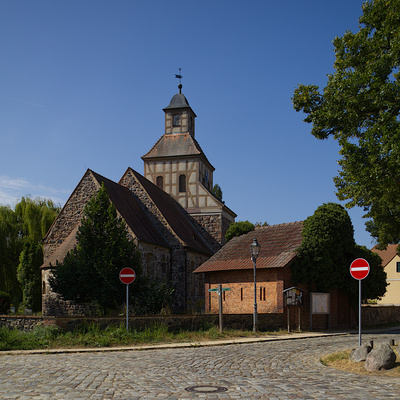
{"x":359,"y":269}
{"x":219,"y":290}
{"x":127,"y":275}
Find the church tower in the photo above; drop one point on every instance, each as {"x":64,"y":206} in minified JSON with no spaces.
{"x":178,"y":165}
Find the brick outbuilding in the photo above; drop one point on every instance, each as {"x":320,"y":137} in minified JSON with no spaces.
{"x":233,"y":268}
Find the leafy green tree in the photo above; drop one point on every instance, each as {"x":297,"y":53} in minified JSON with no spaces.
{"x":10,"y":247}
{"x":238,"y":228}
{"x":360,"y":108}
{"x":327,"y":250}
{"x":90,"y":272}
{"x":29,"y":276}
{"x":35,"y":217}
{"x":217,"y":192}
{"x":29,"y":222}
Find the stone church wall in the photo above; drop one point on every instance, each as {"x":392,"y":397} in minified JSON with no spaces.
{"x":70,"y":215}
{"x":178,"y":254}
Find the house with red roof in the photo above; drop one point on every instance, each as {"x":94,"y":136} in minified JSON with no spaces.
{"x":233,"y":268}
{"x":391,"y":265}
{"x":170,"y":212}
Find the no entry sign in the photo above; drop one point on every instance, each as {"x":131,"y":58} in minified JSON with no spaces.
{"x":359,"y":269}
{"x":127,"y":275}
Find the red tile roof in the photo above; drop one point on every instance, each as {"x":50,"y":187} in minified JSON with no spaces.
{"x":386,"y":255}
{"x":278,"y":248}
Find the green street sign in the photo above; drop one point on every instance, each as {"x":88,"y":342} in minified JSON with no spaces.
{"x":216,"y":289}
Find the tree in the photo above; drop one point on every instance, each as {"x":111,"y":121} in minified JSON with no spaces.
{"x":90,"y":272}
{"x":360,"y":108}
{"x":29,"y":276}
{"x":29,"y":222}
{"x":238,"y":228}
{"x":217,"y":192}
{"x":327,"y":250}
{"x":10,"y":248}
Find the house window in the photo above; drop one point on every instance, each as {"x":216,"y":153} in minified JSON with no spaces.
{"x":241,"y":294}
{"x":160,"y":182}
{"x":176,"y":120}
{"x":182,"y":183}
{"x":398,"y":266}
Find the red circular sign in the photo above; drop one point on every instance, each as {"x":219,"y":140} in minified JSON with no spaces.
{"x":359,"y":269}
{"x":127,"y":275}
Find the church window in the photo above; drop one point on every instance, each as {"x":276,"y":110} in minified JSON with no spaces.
{"x":182,"y":183}
{"x":191,"y":123}
{"x":176,"y":120}
{"x":160,"y":182}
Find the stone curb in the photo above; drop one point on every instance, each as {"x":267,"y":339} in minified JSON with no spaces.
{"x":209,"y":343}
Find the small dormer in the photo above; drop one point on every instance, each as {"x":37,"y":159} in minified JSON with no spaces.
{"x":179,"y":117}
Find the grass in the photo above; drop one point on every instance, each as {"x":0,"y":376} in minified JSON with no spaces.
{"x":51,"y":337}
{"x":341,"y":360}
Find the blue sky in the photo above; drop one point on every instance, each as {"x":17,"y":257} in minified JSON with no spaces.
{"x":83,"y":85}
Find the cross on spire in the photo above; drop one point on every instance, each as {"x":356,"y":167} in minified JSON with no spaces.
{"x":179,"y":76}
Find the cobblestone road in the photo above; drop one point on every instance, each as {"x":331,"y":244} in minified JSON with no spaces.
{"x":287,"y":369}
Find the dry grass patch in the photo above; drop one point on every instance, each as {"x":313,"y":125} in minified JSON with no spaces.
{"x":341,"y":361}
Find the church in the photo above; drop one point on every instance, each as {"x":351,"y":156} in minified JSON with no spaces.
{"x":170,"y":213}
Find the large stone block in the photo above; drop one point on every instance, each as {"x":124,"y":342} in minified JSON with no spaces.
{"x":381,"y":357}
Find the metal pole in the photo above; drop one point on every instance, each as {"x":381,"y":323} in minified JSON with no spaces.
{"x":220,"y":307}
{"x":359,"y":312}
{"x":127,"y":307}
{"x":255,"y":297}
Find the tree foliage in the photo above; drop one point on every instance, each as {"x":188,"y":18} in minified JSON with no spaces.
{"x":29,"y":275}
{"x":327,"y":250}
{"x":360,"y":108}
{"x":238,"y":228}
{"x":217,"y":192}
{"x":90,"y":273}
{"x":28,"y":223}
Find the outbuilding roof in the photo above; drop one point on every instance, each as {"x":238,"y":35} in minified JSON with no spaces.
{"x":279,"y":244}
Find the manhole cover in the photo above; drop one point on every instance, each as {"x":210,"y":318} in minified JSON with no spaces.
{"x":206,"y":389}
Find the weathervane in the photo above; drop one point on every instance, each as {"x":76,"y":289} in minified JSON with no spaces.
{"x":179,"y":76}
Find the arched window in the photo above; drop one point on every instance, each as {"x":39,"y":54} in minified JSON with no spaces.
{"x":160,"y":182}
{"x":182,"y":183}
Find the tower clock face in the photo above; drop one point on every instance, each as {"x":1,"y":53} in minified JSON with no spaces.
{"x":176,"y":120}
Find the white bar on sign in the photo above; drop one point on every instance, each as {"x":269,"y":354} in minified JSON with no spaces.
{"x":359,"y":268}
{"x":127,"y":276}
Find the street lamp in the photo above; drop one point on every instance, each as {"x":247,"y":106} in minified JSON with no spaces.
{"x":255,"y":250}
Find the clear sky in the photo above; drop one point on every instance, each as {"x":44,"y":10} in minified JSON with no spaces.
{"x":83,"y":85}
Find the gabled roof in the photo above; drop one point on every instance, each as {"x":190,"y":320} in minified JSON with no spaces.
{"x":278,"y":248}
{"x":61,"y":251}
{"x":176,"y":145}
{"x":386,"y":255}
{"x":131,"y":211}
{"x":174,"y":214}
